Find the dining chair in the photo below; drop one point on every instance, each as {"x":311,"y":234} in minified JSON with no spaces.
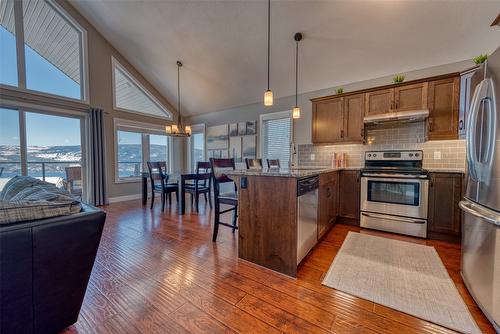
{"x":218,"y":166}
{"x":159,"y":183}
{"x":201,"y":185}
{"x":273,"y":163}
{"x":74,"y":180}
{"x":253,"y":163}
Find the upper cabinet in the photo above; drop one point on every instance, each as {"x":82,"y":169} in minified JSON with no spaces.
{"x":401,"y":98}
{"x":328,"y":119}
{"x":354,"y":112}
{"x":443,"y":103}
{"x":379,"y":101}
{"x":339,"y":118}
{"x":411,"y":97}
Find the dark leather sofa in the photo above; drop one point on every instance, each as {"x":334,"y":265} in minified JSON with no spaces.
{"x":45,"y":267}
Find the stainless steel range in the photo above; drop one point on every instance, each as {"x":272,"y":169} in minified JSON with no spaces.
{"x":394,"y":192}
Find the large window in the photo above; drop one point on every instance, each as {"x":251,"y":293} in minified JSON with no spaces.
{"x":44,"y":146}
{"x":10,"y":147}
{"x":8,"y":53}
{"x":276,"y":137}
{"x":53,"y":49}
{"x":136,"y":144}
{"x":129,"y":154}
{"x":130,"y":95}
{"x":196,"y":145}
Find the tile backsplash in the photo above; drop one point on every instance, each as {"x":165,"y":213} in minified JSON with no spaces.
{"x":408,"y":136}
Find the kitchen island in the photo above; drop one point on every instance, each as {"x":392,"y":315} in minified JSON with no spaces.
{"x":274,"y":226}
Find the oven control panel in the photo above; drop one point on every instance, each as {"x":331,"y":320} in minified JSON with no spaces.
{"x":394,"y":155}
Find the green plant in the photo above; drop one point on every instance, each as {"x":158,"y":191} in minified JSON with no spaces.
{"x":480,"y":59}
{"x":339,"y":90}
{"x":398,"y":78}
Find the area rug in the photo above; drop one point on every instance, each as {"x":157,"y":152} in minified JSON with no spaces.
{"x":407,"y":277}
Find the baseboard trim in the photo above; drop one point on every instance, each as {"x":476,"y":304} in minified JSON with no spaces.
{"x":124,"y":198}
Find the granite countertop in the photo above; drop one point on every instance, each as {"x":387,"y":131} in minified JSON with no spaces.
{"x":299,"y":172}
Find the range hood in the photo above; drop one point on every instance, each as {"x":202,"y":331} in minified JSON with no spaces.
{"x":397,"y":117}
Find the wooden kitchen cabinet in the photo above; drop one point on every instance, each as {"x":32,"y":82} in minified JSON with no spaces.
{"x":328,"y":202}
{"x":444,"y":216}
{"x":338,"y":120}
{"x":403,"y":97}
{"x":379,"y":101}
{"x":349,"y":195}
{"x":354,"y":111}
{"x":411,"y":97}
{"x":443,"y":101}
{"x":327,"y":120}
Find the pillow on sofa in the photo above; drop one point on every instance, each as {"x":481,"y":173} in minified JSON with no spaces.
{"x":25,"y":199}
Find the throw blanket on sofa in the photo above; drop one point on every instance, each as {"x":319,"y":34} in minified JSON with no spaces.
{"x":24,"y":198}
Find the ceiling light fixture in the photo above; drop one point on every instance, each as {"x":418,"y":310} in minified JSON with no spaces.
{"x":177,"y":130}
{"x":296,"y":109}
{"x":268,"y":95}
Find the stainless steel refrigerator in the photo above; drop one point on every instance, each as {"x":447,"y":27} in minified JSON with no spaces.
{"x":480,"y":265}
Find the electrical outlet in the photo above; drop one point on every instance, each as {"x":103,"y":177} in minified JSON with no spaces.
{"x":437,"y":155}
{"x":312,"y":157}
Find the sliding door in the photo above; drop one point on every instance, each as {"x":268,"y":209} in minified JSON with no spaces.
{"x":10,"y":145}
{"x":45,"y":146}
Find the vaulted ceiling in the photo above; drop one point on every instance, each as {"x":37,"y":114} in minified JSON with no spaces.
{"x":223,"y":43}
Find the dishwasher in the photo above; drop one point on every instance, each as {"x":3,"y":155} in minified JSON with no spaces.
{"x":307,"y":215}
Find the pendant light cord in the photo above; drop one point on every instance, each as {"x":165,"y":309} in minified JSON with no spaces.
{"x":296,"y":72}
{"x":268,"y":40}
{"x":178,"y":94}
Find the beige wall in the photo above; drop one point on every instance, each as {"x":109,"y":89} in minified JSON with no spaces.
{"x":100,"y":52}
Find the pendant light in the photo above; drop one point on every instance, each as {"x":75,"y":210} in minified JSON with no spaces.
{"x":177,"y":130}
{"x":268,"y":95}
{"x":296,"y":109}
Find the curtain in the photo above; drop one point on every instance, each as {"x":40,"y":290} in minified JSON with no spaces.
{"x":97,"y":163}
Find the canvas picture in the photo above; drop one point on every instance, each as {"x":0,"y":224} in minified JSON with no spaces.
{"x":248,"y":147}
{"x":242,"y":128}
{"x":235,"y":148}
{"x":233,"y":129}
{"x":217,"y":137}
{"x":251,"y":128}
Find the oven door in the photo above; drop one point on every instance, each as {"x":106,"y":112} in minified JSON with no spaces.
{"x":395,"y":196}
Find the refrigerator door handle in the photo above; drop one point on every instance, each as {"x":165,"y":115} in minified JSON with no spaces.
{"x":471,"y":131}
{"x":480,"y":212}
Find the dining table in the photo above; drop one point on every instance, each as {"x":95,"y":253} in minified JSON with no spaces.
{"x":181,"y":179}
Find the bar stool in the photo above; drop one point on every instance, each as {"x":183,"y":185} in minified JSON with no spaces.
{"x":229,"y":198}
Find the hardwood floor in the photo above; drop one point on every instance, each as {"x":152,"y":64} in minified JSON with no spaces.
{"x":160,"y":273}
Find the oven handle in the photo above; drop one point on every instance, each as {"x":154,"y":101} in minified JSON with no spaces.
{"x":399,"y":219}
{"x":395,"y":176}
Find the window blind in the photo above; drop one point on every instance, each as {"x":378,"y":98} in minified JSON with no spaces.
{"x":277,"y":140}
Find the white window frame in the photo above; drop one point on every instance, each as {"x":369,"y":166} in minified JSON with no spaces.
{"x":196,"y":128}
{"x":116,"y":64}
{"x":21,"y":61}
{"x":271,"y":116}
{"x":145,"y":129}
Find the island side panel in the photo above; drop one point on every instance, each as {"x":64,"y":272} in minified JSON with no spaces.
{"x":267,"y":223}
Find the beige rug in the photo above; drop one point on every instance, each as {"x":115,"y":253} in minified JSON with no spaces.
{"x":407,"y":277}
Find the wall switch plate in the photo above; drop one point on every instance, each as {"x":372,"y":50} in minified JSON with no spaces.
{"x":312,"y":156}
{"x":437,"y":155}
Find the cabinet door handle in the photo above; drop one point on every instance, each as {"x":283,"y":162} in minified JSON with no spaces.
{"x":362,"y":132}
{"x":431,"y":125}
{"x":341,"y":133}
{"x":461,"y":124}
